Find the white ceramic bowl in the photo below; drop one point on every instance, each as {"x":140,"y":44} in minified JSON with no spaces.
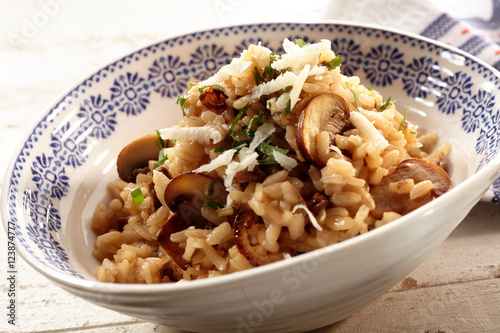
{"x":59,"y":173}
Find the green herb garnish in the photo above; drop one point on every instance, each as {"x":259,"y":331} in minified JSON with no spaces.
{"x":235,"y":121}
{"x":334,"y":63}
{"x":213,"y":86}
{"x":404,"y":117}
{"x":255,"y":120}
{"x":162,"y":157}
{"x":387,"y":103}
{"x":258,"y":78}
{"x":213,"y":204}
{"x":301,"y":43}
{"x":211,"y":189}
{"x":268,"y":150}
{"x":180,"y":101}
{"x":288,"y":111}
{"x":356,"y":99}
{"x":160,"y":143}
{"x":287,"y":69}
{"x":137,"y":197}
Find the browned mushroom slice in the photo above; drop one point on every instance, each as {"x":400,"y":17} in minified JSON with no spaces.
{"x":188,"y":192}
{"x":325,"y":112}
{"x":213,"y":98}
{"x":185,"y":195}
{"x":242,"y":224}
{"x":419,"y":170}
{"x":136,"y":155}
{"x":174,"y":224}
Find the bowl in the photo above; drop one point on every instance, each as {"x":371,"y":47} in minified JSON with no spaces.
{"x":60,"y":171}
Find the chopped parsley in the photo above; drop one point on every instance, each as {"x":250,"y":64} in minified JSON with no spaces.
{"x":404,"y":117}
{"x":237,"y":145}
{"x":162,"y":157}
{"x":213,"y":204}
{"x":387,"y":103}
{"x":137,"y":197}
{"x":356,"y":99}
{"x":267,"y":73}
{"x":301,"y":43}
{"x":181,"y":100}
{"x":160,"y":143}
{"x":334,"y":63}
{"x":211,"y":189}
{"x":213,"y":86}
{"x":288,"y":111}
{"x":258,"y":78}
{"x":267,"y":150}
{"x":235,"y":121}
{"x":255,"y":120}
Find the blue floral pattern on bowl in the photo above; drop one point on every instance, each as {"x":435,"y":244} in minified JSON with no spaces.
{"x":120,"y":90}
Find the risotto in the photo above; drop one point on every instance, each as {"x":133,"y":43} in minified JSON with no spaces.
{"x":276,"y":155}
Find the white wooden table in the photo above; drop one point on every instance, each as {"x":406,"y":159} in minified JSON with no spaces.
{"x":47,"y":46}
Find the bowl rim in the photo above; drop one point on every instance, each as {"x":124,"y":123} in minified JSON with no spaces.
{"x":492,"y":169}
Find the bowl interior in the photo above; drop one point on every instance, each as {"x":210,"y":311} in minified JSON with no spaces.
{"x":60,"y":172}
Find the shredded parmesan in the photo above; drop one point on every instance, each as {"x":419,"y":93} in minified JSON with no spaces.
{"x":221,"y":76}
{"x":313,"y":220}
{"x":282,"y":100}
{"x":368,"y":130}
{"x":204,"y":134}
{"x":285,"y":80}
{"x":298,"y":57}
{"x":223,"y":159}
{"x":298,"y":84}
{"x":286,"y":162}
{"x":289,"y":46}
{"x":239,"y":66}
{"x":247,"y":161}
{"x":262,"y":133}
{"x":317,"y":70}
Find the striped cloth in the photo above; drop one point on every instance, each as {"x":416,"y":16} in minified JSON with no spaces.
{"x":472,"y":26}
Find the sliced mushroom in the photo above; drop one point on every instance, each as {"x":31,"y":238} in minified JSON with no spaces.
{"x":418,"y":170}
{"x":318,"y":202}
{"x":213,"y":98}
{"x":325,"y":112}
{"x":243,"y":222}
{"x":185,"y":195}
{"x":136,"y":155}
{"x":188,"y":192}
{"x":174,"y":224}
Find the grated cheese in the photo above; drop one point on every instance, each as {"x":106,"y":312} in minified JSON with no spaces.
{"x":313,"y":220}
{"x":298,"y":57}
{"x":368,"y":130}
{"x":262,"y":133}
{"x":285,"y":80}
{"x":298,"y":84}
{"x":247,"y":160}
{"x":223,"y":159}
{"x":286,"y":162}
{"x":282,"y":100}
{"x":221,"y":76}
{"x":239,"y":66}
{"x":204,"y":134}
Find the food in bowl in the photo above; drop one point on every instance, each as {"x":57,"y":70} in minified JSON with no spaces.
{"x":276,"y":155}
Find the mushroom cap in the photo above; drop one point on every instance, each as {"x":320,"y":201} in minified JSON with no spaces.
{"x":185,"y":195}
{"x":418,"y":170}
{"x":323,"y":113}
{"x":136,"y":155}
